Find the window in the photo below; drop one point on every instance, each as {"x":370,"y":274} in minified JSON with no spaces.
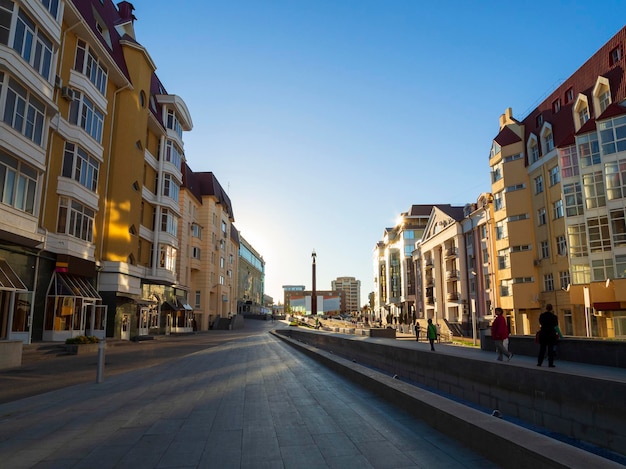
{"x":555,"y":175}
{"x":196,"y":231}
{"x":541,"y":216}
{"x":516,"y":187}
{"x":569,"y":95}
{"x":503,"y":259}
{"x":88,"y":63}
{"x":173,"y":123}
{"x":75,"y":219}
{"x":615,"y":179}
{"x":506,"y":287}
{"x":564,"y":279}
{"x":599,"y":236}
{"x":539,"y":120}
{"x":496,"y":172}
{"x":169,"y":222}
{"x":6,"y":14}
{"x":593,"y":187}
{"x":620,"y":266}
{"x":222,"y":262}
{"x":604,"y":100}
{"x":18,"y":184}
{"x":171,"y":188}
{"x":521,"y":248}
{"x":498,"y":201}
{"x":548,"y":282}
{"x":618,"y":226}
{"x":561,"y":245}
{"x":545,"y":249}
{"x":601,"y":269}
{"x":613,"y":135}
{"x":85,"y":114}
{"x":588,"y":149}
{"x":615,"y":55}
{"x":539,"y":184}
{"x":557,"y":209}
{"x":517,"y":156}
{"x":501,"y":230}
{"x":167,"y":257}
{"x":581,"y":274}
{"x":569,"y":161}
{"x":533,"y":150}
{"x":81,"y":167}
{"x":522,"y":216}
{"x":24,"y":112}
{"x":198,"y":297}
{"x":577,"y":240}
{"x":573,"y":199}
{"x":196,"y":253}
{"x":556,"y":105}
{"x":224,"y":228}
{"x":33,"y":45}
{"x":583,"y":115}
{"x":173,"y":154}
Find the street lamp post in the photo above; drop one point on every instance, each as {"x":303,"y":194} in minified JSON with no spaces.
{"x":313,"y":293}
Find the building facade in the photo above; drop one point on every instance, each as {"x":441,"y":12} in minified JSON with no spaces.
{"x":351,"y":288}
{"x":251,"y":280}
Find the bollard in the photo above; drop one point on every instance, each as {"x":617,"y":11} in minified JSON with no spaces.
{"x":100,"y":373}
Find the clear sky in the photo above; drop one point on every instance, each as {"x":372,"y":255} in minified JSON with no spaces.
{"x":325,"y":119}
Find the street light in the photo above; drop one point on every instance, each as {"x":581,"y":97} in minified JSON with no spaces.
{"x":313,"y":293}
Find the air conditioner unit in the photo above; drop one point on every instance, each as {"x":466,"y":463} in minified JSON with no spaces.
{"x":68,"y":93}
{"x":58,"y":81}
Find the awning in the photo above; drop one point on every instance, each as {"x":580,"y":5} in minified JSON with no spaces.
{"x":187,"y":307}
{"x":73,"y":285}
{"x":9,"y":280}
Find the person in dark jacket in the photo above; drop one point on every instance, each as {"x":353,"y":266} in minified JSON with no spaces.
{"x":547,"y":335}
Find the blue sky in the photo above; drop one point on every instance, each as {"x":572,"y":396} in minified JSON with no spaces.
{"x":324,"y":120}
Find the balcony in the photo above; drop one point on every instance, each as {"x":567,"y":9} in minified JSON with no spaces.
{"x":428,"y":264}
{"x":430,"y":300}
{"x":452,"y":275}
{"x":451,"y":252}
{"x":453,"y":296}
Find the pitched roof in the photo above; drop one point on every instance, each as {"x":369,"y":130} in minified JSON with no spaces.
{"x":204,"y":184}
{"x":507,"y":137}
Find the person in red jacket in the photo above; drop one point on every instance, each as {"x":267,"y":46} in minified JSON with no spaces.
{"x":500,"y":334}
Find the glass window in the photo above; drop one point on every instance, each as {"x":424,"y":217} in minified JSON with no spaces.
{"x":604,"y":99}
{"x":548,"y":282}
{"x":496,"y":172}
{"x":539,"y":184}
{"x":503,"y":259}
{"x":573,"y":199}
{"x":588,"y":149}
{"x":173,"y":123}
{"x":613,"y":135}
{"x":620,"y":266}
{"x":501,"y":232}
{"x":171,"y":188}
{"x":561,"y":245}
{"x":173,"y":154}
{"x":505,"y":287}
{"x":601,"y":269}
{"x":577,"y":240}
{"x":581,"y":274}
{"x":534,"y":152}
{"x":498,"y":201}
{"x":564,"y":279}
{"x":81,"y":167}
{"x":545,"y":249}
{"x":33,"y":45}
{"x":541,"y":216}
{"x":75,"y":219}
{"x":548,"y":141}
{"x":18,"y":183}
{"x":88,"y":63}
{"x":583,"y":115}
{"x":615,"y":179}
{"x":87,"y":116}
{"x":599,"y":236}
{"x":569,"y":161}
{"x":52,"y":6}
{"x":618,"y":226}
{"x":555,"y":175}
{"x":593,"y":187}
{"x":169,"y":222}
{"x":557,"y":209}
{"x":24,"y":112}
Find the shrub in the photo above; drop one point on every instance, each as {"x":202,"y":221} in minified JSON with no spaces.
{"x":83,"y":339}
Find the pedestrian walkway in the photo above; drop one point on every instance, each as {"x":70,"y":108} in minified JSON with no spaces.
{"x":248,"y":403}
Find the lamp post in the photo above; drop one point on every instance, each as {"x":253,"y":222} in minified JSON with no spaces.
{"x":313,"y":293}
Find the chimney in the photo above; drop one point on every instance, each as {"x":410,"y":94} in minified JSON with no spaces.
{"x":126,"y":11}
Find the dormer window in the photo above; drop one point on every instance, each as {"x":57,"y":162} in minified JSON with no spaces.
{"x":580,"y":111}
{"x":539,"y":120}
{"x":601,"y":95}
{"x":533,"y":150}
{"x":547,"y":139}
{"x":556,"y":106}
{"x":569,"y":95}
{"x":615,"y":55}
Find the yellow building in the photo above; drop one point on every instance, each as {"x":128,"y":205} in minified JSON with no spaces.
{"x":559,"y":195}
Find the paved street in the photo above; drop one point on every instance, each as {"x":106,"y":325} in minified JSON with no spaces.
{"x":250,"y":401}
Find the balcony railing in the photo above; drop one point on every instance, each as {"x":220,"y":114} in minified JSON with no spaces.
{"x":453,"y":296}
{"x":451,"y":252}
{"x":452,"y":274}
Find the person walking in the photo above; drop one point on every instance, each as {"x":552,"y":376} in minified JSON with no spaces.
{"x":431,"y":334}
{"x":417,"y":330}
{"x":499,"y":334}
{"x":547,"y":335}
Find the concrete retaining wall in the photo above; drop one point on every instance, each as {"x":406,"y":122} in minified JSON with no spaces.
{"x":10,"y":354}
{"x":582,"y":408}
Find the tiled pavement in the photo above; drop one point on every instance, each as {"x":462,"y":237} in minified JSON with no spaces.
{"x":249,"y":403}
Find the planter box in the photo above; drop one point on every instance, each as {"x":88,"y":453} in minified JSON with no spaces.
{"x":379,"y":332}
{"x":80,"y":349}
{"x":10,"y":354}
